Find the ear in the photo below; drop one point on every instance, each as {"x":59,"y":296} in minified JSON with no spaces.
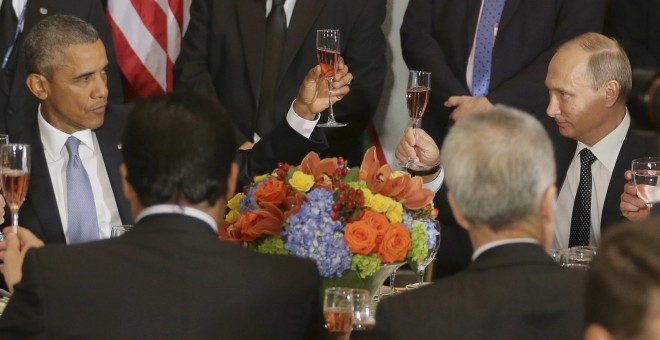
{"x":231,"y":181}
{"x":595,"y":331}
{"x":38,"y":85}
{"x":129,"y":193}
{"x":458,"y":216}
{"x":612,"y":92}
{"x":547,"y":213}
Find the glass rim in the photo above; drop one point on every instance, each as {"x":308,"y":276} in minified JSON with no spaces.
{"x":327,"y":30}
{"x":650,"y":159}
{"x":419,"y":72}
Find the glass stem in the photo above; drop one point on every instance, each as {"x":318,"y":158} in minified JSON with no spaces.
{"x":420,"y":271}
{"x":14,"y":216}
{"x":392,"y":277}
{"x":331,"y":114}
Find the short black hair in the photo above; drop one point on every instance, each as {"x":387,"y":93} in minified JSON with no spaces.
{"x":623,"y":278}
{"x":178,"y":147}
{"x":44,"y":46}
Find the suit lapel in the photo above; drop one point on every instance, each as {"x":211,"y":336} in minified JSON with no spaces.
{"x":34,"y":12}
{"x":40,"y":194}
{"x":303,"y":18}
{"x":251,"y":14}
{"x":510,"y":7}
{"x":472,"y":17}
{"x":108,"y":138}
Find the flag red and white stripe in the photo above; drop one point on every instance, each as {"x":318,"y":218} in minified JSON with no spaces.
{"x":147,"y":36}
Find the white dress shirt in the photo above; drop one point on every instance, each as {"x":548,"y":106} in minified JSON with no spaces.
{"x":18,"y":7}
{"x":177,"y":209}
{"x":491,"y":245}
{"x":57,"y":158}
{"x":606,"y":152}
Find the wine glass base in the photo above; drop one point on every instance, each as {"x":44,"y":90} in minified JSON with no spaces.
{"x":331,"y":124}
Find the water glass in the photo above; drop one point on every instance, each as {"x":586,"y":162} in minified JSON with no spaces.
{"x":557,"y":255}
{"x":119,"y":230}
{"x":580,"y":257}
{"x":364,"y":311}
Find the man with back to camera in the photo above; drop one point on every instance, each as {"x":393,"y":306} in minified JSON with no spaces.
{"x":500,"y":172}
{"x":169,"y":277}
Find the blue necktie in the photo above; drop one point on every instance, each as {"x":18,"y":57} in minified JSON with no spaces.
{"x":83,"y":224}
{"x":483,"y":48}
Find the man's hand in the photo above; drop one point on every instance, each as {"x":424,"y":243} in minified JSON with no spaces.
{"x":17,"y":246}
{"x":465,"y":105}
{"x":313,"y":93}
{"x":632,"y":207}
{"x":419,"y":147}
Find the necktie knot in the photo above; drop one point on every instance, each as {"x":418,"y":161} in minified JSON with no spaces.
{"x":278,"y":3}
{"x":72,"y":144}
{"x":586,"y":158}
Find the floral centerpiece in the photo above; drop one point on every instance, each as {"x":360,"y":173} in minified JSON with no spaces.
{"x":350,"y":222}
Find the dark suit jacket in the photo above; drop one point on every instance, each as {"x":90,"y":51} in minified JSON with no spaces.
{"x":636,"y":25}
{"x":18,"y":106}
{"x":437,"y":36}
{"x":222,"y":55}
{"x":169,"y":278}
{"x":39,"y":212}
{"x":512,"y":291}
{"x":637,"y":144}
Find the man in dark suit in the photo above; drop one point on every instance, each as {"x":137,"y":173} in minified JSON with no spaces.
{"x":440,"y":36}
{"x":500,"y":172}
{"x":636,"y":25}
{"x":589,"y":80}
{"x":17,"y":105}
{"x":223,"y":54}
{"x":73,"y":96}
{"x":169,"y":277}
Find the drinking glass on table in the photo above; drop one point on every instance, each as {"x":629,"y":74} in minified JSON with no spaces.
{"x":433,"y":243}
{"x":15,"y":173}
{"x":645,"y":176}
{"x":119,"y":230}
{"x":327,"y":53}
{"x":364,"y":312}
{"x":580,"y":257}
{"x":338,"y":312}
{"x":417,"y":98}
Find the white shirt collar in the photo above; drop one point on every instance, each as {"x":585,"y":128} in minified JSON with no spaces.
{"x":54,"y":139}
{"x":177,"y":209}
{"x":491,"y":245}
{"x":607,"y":149}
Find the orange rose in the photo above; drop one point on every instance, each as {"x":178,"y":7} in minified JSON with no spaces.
{"x":360,"y":237}
{"x":379,"y":222}
{"x":253,"y":224}
{"x":273,"y":191}
{"x":396,"y":244}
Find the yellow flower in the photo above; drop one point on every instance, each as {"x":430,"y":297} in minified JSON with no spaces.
{"x":232,"y":216}
{"x":380,"y":203}
{"x":259,"y":179}
{"x":366,"y":193}
{"x":301,"y":181}
{"x":395,"y":174}
{"x":395,"y":214}
{"x":235,"y":202}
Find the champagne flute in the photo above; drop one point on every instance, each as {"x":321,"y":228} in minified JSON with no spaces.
{"x":417,"y":98}
{"x":433,"y":244}
{"x":338,"y":312}
{"x":15,"y":177}
{"x":645,"y":176}
{"x":327,"y":53}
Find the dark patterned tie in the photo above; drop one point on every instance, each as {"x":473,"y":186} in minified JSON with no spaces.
{"x":581,"y":218}
{"x":8,"y":23}
{"x":275,"y":36}
{"x":483,"y":45}
{"x":81,"y":210}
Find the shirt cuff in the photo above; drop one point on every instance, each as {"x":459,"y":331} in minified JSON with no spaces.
{"x":435,"y":184}
{"x":301,"y":125}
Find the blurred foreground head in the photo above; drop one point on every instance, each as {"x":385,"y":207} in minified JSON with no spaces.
{"x":623,"y":286}
{"x":179,"y":148}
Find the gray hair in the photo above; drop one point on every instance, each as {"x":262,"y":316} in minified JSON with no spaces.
{"x":45,"y":43}
{"x":608,"y":61}
{"x":498,"y":164}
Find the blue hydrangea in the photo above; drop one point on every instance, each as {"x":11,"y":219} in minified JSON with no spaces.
{"x":248,"y":203}
{"x":407,"y":219}
{"x":429,"y":226}
{"x":311,"y":233}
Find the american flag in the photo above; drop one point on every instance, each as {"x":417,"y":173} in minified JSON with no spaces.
{"x":147,"y":36}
